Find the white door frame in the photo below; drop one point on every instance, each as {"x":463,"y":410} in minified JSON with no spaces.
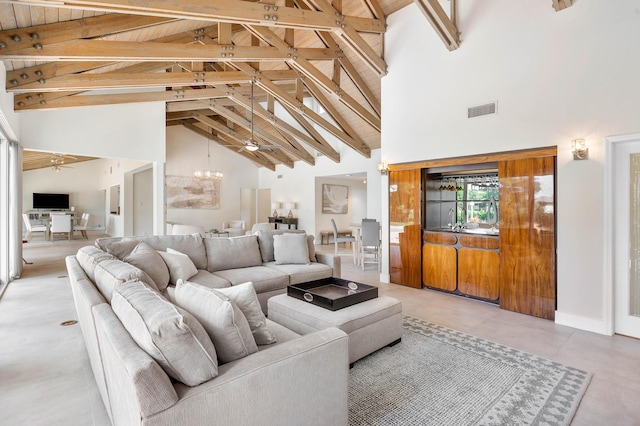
{"x":608,"y":298}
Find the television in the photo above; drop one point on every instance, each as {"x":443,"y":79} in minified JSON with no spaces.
{"x":50,"y":201}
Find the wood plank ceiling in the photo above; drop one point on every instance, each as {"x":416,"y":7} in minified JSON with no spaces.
{"x":205,"y":58}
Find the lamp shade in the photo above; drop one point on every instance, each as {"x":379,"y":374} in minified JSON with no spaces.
{"x":291,"y":206}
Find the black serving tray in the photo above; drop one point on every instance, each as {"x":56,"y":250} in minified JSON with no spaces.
{"x":332,"y":293}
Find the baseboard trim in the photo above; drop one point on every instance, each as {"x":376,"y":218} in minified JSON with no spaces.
{"x":594,"y":325}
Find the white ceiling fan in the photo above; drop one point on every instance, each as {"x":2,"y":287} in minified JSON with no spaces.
{"x":251,"y":144}
{"x":57,"y":162}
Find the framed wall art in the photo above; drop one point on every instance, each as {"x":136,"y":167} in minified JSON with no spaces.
{"x":185,"y":192}
{"x":335,"y":199}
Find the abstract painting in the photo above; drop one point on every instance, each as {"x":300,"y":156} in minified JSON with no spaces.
{"x":335,"y":199}
{"x":185,"y":192}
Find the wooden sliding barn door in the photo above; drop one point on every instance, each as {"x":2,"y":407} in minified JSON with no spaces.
{"x":405,"y":245}
{"x":527,"y":236}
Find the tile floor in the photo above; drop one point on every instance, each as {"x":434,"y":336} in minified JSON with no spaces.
{"x":45,"y":378}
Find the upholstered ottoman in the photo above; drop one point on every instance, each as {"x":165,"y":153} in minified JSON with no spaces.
{"x":370,"y":325}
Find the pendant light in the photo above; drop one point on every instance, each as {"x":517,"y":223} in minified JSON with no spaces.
{"x":208,"y":173}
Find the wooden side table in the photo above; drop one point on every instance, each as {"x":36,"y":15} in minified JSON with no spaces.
{"x":289,"y":221}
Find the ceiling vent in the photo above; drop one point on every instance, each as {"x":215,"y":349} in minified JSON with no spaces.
{"x":480,"y":110}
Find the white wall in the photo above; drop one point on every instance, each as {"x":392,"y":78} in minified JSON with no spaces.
{"x":186,"y":152}
{"x":556,"y":76}
{"x":299,"y":185}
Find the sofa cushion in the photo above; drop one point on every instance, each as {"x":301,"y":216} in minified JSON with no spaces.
{"x":169,"y":334}
{"x":290,"y":249}
{"x":179,"y":264}
{"x":121,"y":248}
{"x":110,"y":273}
{"x":147,"y":258}
{"x":303,"y":273}
{"x":264,"y":279}
{"x":244,"y":295}
{"x":208,"y":279}
{"x":231,"y":253}
{"x":222,"y":319}
{"x":88,"y":257}
{"x":265,"y":241}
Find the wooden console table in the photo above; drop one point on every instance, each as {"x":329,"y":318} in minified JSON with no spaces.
{"x":289,"y":221}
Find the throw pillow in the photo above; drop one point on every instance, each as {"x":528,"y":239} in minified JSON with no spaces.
{"x":232,"y":253}
{"x":179,"y":264}
{"x":169,"y":334}
{"x":224,"y":321}
{"x":122,"y":248}
{"x":244,"y":295}
{"x":147,"y":258}
{"x":291,"y":249}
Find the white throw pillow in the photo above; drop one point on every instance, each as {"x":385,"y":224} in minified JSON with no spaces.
{"x":244,"y":295}
{"x":169,"y":334}
{"x":291,"y":249}
{"x":180,"y":265}
{"x":224,"y":321}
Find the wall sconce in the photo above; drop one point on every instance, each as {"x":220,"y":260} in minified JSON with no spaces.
{"x":291,"y":207}
{"x":275,"y":207}
{"x":580,"y":149}
{"x":383,"y":168}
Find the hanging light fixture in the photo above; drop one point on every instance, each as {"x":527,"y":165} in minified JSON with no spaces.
{"x":251,"y":145}
{"x":208,"y":173}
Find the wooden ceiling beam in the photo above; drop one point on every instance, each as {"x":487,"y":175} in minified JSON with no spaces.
{"x":97,"y":26}
{"x":261,"y":160}
{"x":114,"y":80}
{"x":234,"y":11}
{"x":117,"y":98}
{"x":106,"y":50}
{"x":299,"y":62}
{"x":441,"y":23}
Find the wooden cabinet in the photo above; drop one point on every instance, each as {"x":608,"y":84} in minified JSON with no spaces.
{"x":463,"y":264}
{"x":527,"y":236}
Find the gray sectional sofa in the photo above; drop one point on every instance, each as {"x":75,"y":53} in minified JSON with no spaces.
{"x":296,"y":379}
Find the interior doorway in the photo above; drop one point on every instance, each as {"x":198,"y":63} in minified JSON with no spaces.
{"x":625,"y":164}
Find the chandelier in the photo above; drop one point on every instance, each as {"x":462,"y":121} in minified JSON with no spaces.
{"x":208,"y":173}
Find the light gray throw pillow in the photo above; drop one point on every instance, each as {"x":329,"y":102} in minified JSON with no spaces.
{"x":291,"y":249}
{"x":244,"y":295}
{"x":232,"y":253}
{"x":169,"y":334}
{"x":147,"y":258}
{"x":221,"y":318}
{"x":180,"y":265}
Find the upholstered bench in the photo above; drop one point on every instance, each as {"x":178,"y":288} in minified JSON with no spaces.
{"x":370,"y":325}
{"x":329,"y":234}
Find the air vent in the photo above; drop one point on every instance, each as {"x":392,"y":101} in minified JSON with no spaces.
{"x":279,"y":176}
{"x":480,"y":110}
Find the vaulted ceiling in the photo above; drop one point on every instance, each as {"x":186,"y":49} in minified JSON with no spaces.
{"x":205,"y":58}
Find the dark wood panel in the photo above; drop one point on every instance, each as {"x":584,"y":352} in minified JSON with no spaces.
{"x":478,"y":273}
{"x":527,"y":236}
{"x":411,"y":271}
{"x":479,"y":242}
{"x":439,"y":266}
{"x":439,"y":238}
{"x":473,"y":159}
{"x":404,"y":227}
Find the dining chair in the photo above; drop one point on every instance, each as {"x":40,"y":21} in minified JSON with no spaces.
{"x":82,"y":226}
{"x":32,"y":228}
{"x":369,"y":246}
{"x":61,"y":224}
{"x":343,"y":239}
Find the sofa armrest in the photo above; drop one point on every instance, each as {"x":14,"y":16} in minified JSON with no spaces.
{"x":304,"y":378}
{"x":331,"y":260}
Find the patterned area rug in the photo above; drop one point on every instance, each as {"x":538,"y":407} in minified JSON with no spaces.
{"x":439,"y":376}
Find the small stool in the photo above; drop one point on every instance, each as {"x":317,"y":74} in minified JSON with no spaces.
{"x":370,"y":325}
